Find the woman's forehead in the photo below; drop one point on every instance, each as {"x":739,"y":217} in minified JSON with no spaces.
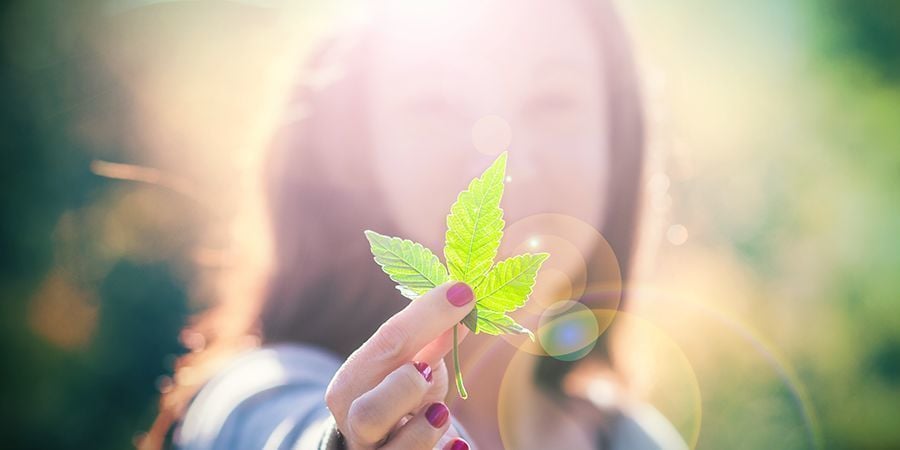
{"x":478,"y":35}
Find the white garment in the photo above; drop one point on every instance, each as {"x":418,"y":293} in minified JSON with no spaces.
{"x":272,"y":398}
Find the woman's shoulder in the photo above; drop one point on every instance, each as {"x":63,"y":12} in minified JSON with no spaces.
{"x":258,"y":392}
{"x":638,"y":425}
{"x":624,"y":421}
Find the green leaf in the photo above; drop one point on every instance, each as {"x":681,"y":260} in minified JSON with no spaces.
{"x":471,"y":319}
{"x":413,"y":267}
{"x":496,"y":323}
{"x":508,"y":285}
{"x":505,"y":288}
{"x":475,"y":226}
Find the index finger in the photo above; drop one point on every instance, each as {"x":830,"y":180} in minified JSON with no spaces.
{"x":399,"y":338}
{"x":425,"y":319}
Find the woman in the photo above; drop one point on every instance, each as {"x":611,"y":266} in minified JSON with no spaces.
{"x":427,"y":94}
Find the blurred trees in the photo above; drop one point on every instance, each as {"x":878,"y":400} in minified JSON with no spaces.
{"x":86,"y":330}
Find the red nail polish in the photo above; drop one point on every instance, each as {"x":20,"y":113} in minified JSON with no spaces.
{"x":457,"y":444}
{"x":459,"y":294}
{"x":424,"y":369}
{"x":437,"y":414}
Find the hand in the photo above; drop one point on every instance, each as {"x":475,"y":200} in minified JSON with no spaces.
{"x":399,"y":372}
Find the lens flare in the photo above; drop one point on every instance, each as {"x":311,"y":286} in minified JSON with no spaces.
{"x":521,"y":407}
{"x":738,"y":343}
{"x":658,"y":372}
{"x":675,"y":393}
{"x":568,"y":331}
{"x":565,"y":277}
{"x":579,"y":255}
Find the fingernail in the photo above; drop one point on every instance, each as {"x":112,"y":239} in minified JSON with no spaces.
{"x":457,"y":444}
{"x":437,"y":414}
{"x":459,"y":294}
{"x":424,"y":369}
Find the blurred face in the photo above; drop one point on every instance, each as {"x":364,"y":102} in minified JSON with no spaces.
{"x":454,"y":84}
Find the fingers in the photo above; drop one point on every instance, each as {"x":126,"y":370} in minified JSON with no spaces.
{"x":438,"y":389}
{"x":456,"y":444}
{"x":361,"y":381}
{"x":396,"y":341}
{"x":450,"y":439}
{"x":372,"y":415}
{"x":436,"y":392}
{"x":438,"y":348}
{"x":423,"y":431}
{"x":422,"y":321}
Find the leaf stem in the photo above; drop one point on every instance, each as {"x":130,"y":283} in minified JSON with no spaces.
{"x":459,"y":381}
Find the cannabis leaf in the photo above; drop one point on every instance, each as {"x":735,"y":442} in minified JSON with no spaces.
{"x":475,"y":226}
{"x":474,"y":229}
{"x":506,"y":288}
{"x":413,"y":267}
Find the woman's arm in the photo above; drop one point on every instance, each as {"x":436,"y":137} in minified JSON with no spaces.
{"x":268,"y":398}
